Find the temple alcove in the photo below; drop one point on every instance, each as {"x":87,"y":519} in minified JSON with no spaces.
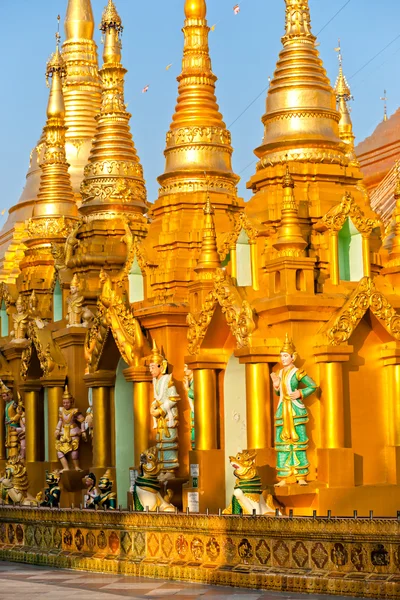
{"x":235,"y":430}
{"x":136,"y":283}
{"x":3,"y":319}
{"x":243,"y":258}
{"x":124,"y":432}
{"x":57,"y":302}
{"x":350,"y":252}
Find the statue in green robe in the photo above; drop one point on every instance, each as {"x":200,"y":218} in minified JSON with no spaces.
{"x":292,"y":385}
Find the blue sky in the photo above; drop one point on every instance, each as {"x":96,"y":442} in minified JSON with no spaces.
{"x":244,"y":50}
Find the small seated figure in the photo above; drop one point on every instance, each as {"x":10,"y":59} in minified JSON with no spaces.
{"x":77,"y":314}
{"x":20,"y":322}
{"x":52,"y":494}
{"x":147,"y":488}
{"x":106,"y":498}
{"x":91,"y":490}
{"x":70,"y":429}
{"x":248,"y":494}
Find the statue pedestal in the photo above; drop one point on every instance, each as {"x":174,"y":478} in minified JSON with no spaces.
{"x":301,"y":499}
{"x":336,"y":467}
{"x":210,"y":489}
{"x":71,"y":484}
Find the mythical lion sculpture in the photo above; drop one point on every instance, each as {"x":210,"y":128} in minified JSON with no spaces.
{"x":147,"y":486}
{"x":248,"y":494}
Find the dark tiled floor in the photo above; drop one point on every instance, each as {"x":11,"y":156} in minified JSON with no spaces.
{"x":28,"y":582}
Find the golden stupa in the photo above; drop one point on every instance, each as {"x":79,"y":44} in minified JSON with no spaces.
{"x":112,"y":295}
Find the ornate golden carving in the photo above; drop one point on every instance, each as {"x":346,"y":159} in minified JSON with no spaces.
{"x":229,"y":240}
{"x":303,"y":155}
{"x":113,"y":314}
{"x":43,"y":227}
{"x":198,"y":135}
{"x":364,"y":297}
{"x":238,"y":314}
{"x":349,"y":209}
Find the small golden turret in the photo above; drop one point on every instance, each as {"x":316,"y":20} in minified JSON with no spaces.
{"x":343,"y":96}
{"x":290,"y":240}
{"x":198,"y":146}
{"x":209,"y":259}
{"x":301,"y":117}
{"x":114,"y":176}
{"x":55,"y":195}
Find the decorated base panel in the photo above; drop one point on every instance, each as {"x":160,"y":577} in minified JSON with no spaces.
{"x":355,"y":557}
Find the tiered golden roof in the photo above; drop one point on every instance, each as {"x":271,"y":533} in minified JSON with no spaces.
{"x":55,"y":195}
{"x":113,"y":176}
{"x":300,"y":119}
{"x":198,"y":145}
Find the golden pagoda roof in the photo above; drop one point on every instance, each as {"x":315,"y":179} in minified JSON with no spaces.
{"x":113,"y":176}
{"x":301,"y":117}
{"x":198,"y":147}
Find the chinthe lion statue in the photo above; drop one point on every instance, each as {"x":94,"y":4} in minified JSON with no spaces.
{"x":248,"y":495}
{"x":14,"y":483}
{"x":147,"y":488}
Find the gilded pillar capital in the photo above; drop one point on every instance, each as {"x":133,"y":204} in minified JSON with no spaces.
{"x":100,"y":379}
{"x":137,"y":374}
{"x":390,"y":354}
{"x":53,"y":382}
{"x":207,"y":360}
{"x":328,"y":354}
{"x":258,"y":354}
{"x":31,"y":385}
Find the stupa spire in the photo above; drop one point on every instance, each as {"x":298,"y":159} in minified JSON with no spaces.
{"x":290,"y":240}
{"x":113,"y":176}
{"x":301,"y":120}
{"x":55,"y":195}
{"x":298,"y":22}
{"x":209,"y":258}
{"x":343,"y":96}
{"x":79,"y":20}
{"x":198,"y":146}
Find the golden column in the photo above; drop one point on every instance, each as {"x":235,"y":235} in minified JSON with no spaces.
{"x":259,"y":399}
{"x":101,"y":382}
{"x":334,"y":256}
{"x":205,"y":368}
{"x":206,"y":429}
{"x":33,"y":421}
{"x":335,"y":461}
{"x":55,"y":390}
{"x":390,"y":355}
{"x":142,"y":388}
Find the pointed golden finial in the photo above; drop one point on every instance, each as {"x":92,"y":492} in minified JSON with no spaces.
{"x":112,"y":28}
{"x":290,"y":240}
{"x":55,"y":70}
{"x":384,"y":100}
{"x":209,"y":258}
{"x":298,"y":22}
{"x":79,"y":21}
{"x":343,"y":97}
{"x":195,"y":9}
